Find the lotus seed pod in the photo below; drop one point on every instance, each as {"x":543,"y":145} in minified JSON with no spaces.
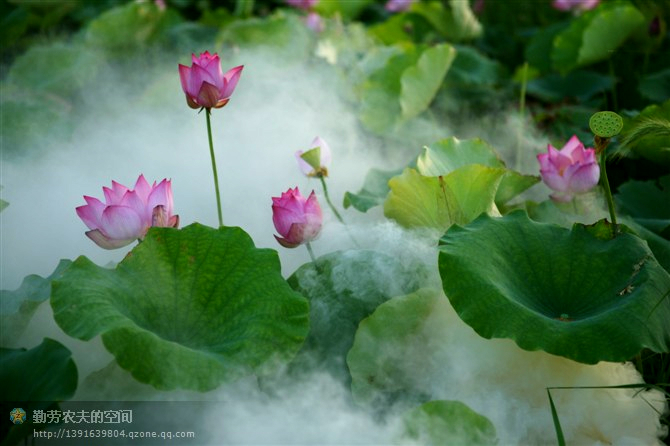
{"x":606,"y":124}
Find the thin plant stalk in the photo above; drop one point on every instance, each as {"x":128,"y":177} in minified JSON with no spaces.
{"x":332,"y":207}
{"x":216,"y":177}
{"x":608,"y":191}
{"x":311,"y":253}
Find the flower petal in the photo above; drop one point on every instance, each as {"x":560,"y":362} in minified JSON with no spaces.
{"x":91,"y":212}
{"x":122,"y":223}
{"x":230,"y":80}
{"x":105,"y":242}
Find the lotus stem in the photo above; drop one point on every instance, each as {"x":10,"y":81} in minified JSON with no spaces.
{"x":332,"y":207}
{"x":216,"y":177}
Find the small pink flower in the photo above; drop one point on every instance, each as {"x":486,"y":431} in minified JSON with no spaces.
{"x":314,"y":22}
{"x":569,"y":171}
{"x":297,"y":220}
{"x":574,"y":5}
{"x":324,"y":160}
{"x":204,"y":83}
{"x":398,"y":5}
{"x":302,"y":4}
{"x":128,"y":214}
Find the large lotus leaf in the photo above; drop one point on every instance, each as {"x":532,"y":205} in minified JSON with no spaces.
{"x":43,"y":373}
{"x":381,"y":359}
{"x":648,"y":202}
{"x":567,"y":292}
{"x":380,"y":107}
{"x":69,"y":68}
{"x":187,"y":308}
{"x":472,"y":68}
{"x":344,"y":287}
{"x":595,"y":35}
{"x":279,"y":31}
{"x":449,"y":154}
{"x":130,"y":26}
{"x":591,"y":207}
{"x":656,"y":86}
{"x":438,"y":202}
{"x":443,"y":422}
{"x":34,"y":379}
{"x":420,"y":82}
{"x":17,"y":306}
{"x":580,"y":84}
{"x":374,"y":190}
{"x":404,"y":86}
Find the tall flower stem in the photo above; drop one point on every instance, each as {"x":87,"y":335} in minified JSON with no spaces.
{"x":311,"y":253}
{"x":608,"y":191}
{"x":325,"y":192}
{"x":216,"y":177}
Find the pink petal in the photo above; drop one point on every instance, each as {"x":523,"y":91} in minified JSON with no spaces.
{"x":105,"y":242}
{"x":230,"y":80}
{"x":584,"y":178}
{"x":122,"y":223}
{"x":208,"y":96}
{"x":554,"y":180}
{"x":312,"y":207}
{"x":161,"y":195}
{"x":143,"y":188}
{"x":186,"y":82}
{"x":572,"y":146}
{"x":91,"y":212}
{"x":545,"y":162}
{"x":283,"y":218}
{"x":285,"y":243}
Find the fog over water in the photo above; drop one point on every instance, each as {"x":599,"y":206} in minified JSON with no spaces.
{"x":277,"y":109}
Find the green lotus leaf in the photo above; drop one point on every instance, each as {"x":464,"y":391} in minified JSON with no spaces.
{"x":35,"y":379}
{"x":18,"y":306}
{"x":404,"y":86}
{"x":442,"y":422}
{"x":438,"y":202}
{"x":449,"y":154}
{"x":644,"y":201}
{"x":44,"y":373}
{"x":374,"y":190}
{"x":344,"y":287}
{"x":383,"y":361}
{"x":595,"y":35}
{"x":188,"y":308}
{"x":562,"y":291}
{"x":420,"y":82}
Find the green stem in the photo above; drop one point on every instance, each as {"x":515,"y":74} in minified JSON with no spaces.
{"x":325,"y":192}
{"x":216,"y":177}
{"x":608,"y":191}
{"x":244,"y":8}
{"x":524,"y":83}
{"x":311,"y":253}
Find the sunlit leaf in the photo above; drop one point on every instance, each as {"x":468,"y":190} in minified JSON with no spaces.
{"x":443,"y":422}
{"x":438,"y":202}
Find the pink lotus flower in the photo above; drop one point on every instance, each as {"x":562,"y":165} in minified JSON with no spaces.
{"x":302,"y":4}
{"x":324,"y":160}
{"x":204,"y":83}
{"x":574,"y":5}
{"x":314,"y":22}
{"x":127,"y":214}
{"x":297,"y":220}
{"x":398,"y":5}
{"x":569,"y":171}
